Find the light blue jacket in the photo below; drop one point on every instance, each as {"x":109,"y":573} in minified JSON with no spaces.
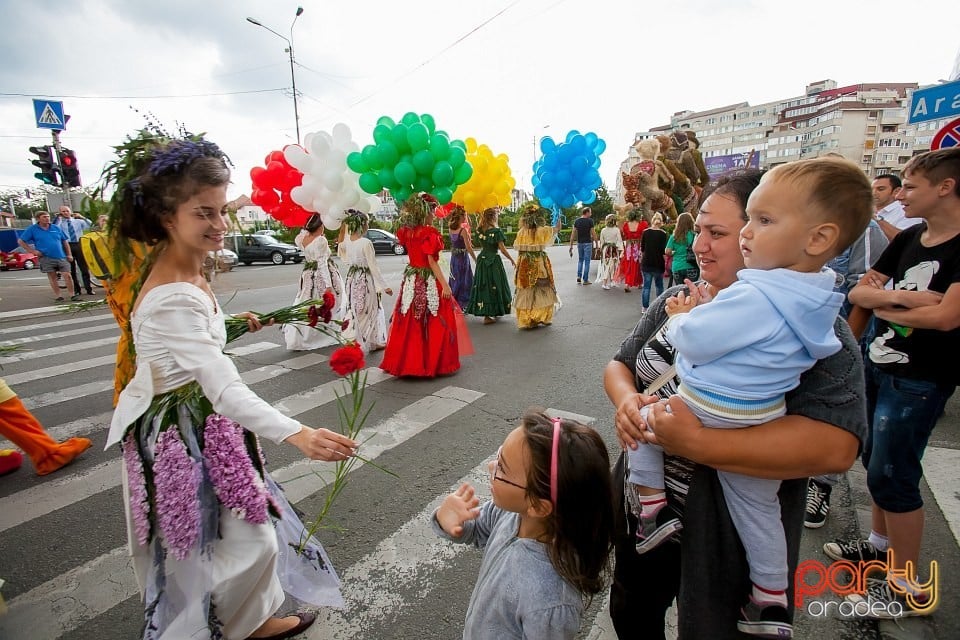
{"x":756,"y":337}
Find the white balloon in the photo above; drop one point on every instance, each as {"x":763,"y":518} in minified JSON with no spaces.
{"x":341,"y":135}
{"x":302,"y":196}
{"x":373,"y":202}
{"x":297,"y":157}
{"x":319,"y":146}
{"x":333,"y":181}
{"x":308,"y":140}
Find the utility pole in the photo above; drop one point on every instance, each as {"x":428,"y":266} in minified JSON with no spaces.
{"x":63,"y":183}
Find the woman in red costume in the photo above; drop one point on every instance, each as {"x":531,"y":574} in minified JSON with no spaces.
{"x":422,"y":341}
{"x":632,"y":229}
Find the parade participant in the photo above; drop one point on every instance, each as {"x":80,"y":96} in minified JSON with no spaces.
{"x":784,"y":308}
{"x":820,"y":434}
{"x":632,"y":231}
{"x":423,"y":338}
{"x":364,"y":285}
{"x":461,"y":275}
{"x":911,"y":369}
{"x":320,"y":275}
{"x":545,"y":534}
{"x":20,"y":427}
{"x":611,"y":246}
{"x":535,"y":296}
{"x":200,"y":507}
{"x":490,"y":296}
{"x":680,"y":250}
{"x":653,"y":243}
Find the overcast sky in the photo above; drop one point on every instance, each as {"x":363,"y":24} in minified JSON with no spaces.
{"x":501,"y":71}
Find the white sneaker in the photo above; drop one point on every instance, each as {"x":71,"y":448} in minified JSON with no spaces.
{"x":606,"y":288}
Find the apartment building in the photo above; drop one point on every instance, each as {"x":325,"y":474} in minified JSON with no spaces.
{"x":866,"y":123}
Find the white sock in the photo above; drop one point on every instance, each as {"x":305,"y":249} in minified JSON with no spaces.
{"x":879,"y":542}
{"x":651,"y":505}
{"x":766,"y":597}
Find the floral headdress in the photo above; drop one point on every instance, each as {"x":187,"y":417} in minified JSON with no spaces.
{"x":531,"y":215}
{"x":355,"y":220}
{"x":417,"y":209}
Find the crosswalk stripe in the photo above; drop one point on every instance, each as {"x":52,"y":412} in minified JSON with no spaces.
{"x":56,"y":351}
{"x":40,"y":337}
{"x":940,"y":471}
{"x":68,"y":320}
{"x":68,"y":394}
{"x":63,"y":603}
{"x":37,"y":501}
{"x":14,"y":379}
{"x":74,"y":428}
{"x":271,"y":371}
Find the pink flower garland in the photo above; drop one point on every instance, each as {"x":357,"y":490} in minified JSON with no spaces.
{"x":235,"y":480}
{"x":177,"y":482}
{"x":139,"y":503}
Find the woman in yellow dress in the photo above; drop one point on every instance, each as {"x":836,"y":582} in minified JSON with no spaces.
{"x":535,"y":296}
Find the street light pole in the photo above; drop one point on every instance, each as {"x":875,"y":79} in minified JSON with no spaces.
{"x":293,"y":77}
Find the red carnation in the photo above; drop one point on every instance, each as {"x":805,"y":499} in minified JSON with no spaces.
{"x":344,"y":325}
{"x":347,"y":359}
{"x":313,"y":316}
{"x":329,"y":300}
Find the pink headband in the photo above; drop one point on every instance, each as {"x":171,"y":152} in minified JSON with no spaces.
{"x":554,"y":462}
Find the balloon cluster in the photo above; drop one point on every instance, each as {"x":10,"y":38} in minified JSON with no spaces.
{"x":328,"y":186}
{"x":491,"y":182}
{"x":272,"y":185}
{"x":568,"y":172}
{"x":411,"y":156}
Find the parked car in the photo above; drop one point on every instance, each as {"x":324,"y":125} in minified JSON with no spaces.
{"x":19,"y":258}
{"x":257,"y":248}
{"x":385,"y":242}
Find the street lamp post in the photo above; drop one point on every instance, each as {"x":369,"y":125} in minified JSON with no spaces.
{"x":293,"y":77}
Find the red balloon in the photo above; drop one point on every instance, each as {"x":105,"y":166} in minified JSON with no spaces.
{"x":265,"y":198}
{"x":258,"y":176}
{"x":293,"y":178}
{"x":275,"y":174}
{"x":275,"y":156}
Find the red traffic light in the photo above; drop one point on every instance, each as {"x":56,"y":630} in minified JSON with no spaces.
{"x":69,"y":168}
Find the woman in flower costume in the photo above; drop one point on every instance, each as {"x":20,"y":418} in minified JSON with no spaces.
{"x":461,"y":250}
{"x":364,"y":286}
{"x":490,"y":296}
{"x":611,"y":247}
{"x":423,"y":332}
{"x":536,"y":295}
{"x":631,"y":232}
{"x":209,"y":531}
{"x":320,"y":275}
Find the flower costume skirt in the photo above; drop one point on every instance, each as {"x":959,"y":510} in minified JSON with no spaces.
{"x":364,"y":311}
{"x":213,"y":539}
{"x":423,"y":331}
{"x":609,"y":270}
{"x":535,"y":298}
{"x":630,"y":264}
{"x":314,"y":280}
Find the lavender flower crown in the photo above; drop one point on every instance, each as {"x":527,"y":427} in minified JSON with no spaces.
{"x":180,"y":153}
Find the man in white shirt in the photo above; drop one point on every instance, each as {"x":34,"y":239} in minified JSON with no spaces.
{"x":890,"y":214}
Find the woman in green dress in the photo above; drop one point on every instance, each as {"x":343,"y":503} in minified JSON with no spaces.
{"x":490,"y":296}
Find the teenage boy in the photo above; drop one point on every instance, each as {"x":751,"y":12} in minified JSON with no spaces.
{"x":911,"y":369}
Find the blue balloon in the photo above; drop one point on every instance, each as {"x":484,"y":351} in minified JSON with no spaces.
{"x":591,"y":138}
{"x":568,"y":201}
{"x":600,"y":147}
{"x":547,"y":145}
{"x":572,"y":134}
{"x":591,"y":198}
{"x":595,"y":164}
{"x":546,"y":202}
{"x":578,"y":144}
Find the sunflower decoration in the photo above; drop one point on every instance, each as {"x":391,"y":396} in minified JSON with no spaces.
{"x":532,"y":215}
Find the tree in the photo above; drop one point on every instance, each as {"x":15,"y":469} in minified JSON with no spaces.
{"x":603,"y":205}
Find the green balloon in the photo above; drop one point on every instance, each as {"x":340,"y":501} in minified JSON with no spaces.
{"x":418,"y":136}
{"x":456,"y":157}
{"x":381,"y":132}
{"x":443,"y":173}
{"x":356,"y":162}
{"x":386,"y":121}
{"x":388,"y":153}
{"x":423,"y":183}
{"x":369,"y":183}
{"x":439,"y":146}
{"x":399,"y":137}
{"x":401,"y":194}
{"x":387,"y":179}
{"x":371,"y":156}
{"x":405,"y":173}
{"x":459,"y":144}
{"x":430,"y":123}
{"x":423,"y":162}
{"x":410,"y":118}
{"x":443,"y":194}
{"x":463,"y":173}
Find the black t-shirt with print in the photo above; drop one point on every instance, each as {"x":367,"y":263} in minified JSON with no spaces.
{"x":583,"y":227}
{"x":919,"y":354}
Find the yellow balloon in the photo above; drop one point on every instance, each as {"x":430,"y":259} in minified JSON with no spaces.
{"x":485,"y":188}
{"x":471,"y":145}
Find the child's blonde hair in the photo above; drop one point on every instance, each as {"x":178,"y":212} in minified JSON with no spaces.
{"x":611,"y":220}
{"x":836,"y":189}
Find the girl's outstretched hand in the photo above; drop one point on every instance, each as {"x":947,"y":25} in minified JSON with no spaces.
{"x":323,"y":444}
{"x":457,"y":508}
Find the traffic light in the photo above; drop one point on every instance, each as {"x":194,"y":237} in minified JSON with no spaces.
{"x":47,"y":163}
{"x":69,"y":168}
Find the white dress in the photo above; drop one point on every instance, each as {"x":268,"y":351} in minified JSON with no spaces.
{"x":230,"y":577}
{"x":611,"y":246}
{"x":319,"y":273}
{"x":364,"y":286}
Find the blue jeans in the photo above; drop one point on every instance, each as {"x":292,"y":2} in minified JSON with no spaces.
{"x":584,"y":253}
{"x":901,"y":413}
{"x":651,"y":278}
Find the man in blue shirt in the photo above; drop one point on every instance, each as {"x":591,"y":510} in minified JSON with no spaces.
{"x":53,"y":250}
{"x":73,"y":226}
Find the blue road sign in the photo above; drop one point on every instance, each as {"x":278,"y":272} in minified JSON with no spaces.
{"x":933,"y":103}
{"x":49,"y":114}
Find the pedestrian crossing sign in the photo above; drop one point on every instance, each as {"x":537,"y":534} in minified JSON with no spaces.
{"x":49,"y":114}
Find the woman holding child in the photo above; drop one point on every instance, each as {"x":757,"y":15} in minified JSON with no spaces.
{"x":707,"y":571}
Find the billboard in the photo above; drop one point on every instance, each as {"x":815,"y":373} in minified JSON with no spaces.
{"x":719,"y":165}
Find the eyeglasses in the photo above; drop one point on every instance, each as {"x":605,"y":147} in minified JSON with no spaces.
{"x":497,"y":468}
